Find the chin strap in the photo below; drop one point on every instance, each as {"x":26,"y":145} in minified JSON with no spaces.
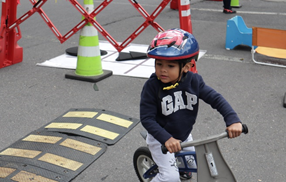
{"x":171,"y":86}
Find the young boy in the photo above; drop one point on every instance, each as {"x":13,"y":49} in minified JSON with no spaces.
{"x":170,"y":100}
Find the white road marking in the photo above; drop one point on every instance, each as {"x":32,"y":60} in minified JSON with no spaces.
{"x":223,"y":58}
{"x":242,"y":12}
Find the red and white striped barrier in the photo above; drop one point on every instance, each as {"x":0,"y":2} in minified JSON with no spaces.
{"x":185,"y":15}
{"x":10,"y":31}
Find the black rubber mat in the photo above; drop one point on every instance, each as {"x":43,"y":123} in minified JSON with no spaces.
{"x":123,"y":56}
{"x":52,"y":155}
{"x":101,"y":125}
{"x":13,"y":171}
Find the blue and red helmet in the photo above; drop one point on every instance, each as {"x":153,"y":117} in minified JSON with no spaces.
{"x":173,"y":44}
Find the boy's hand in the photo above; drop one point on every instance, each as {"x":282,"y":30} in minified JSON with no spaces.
{"x":234,"y":130}
{"x":173,"y":145}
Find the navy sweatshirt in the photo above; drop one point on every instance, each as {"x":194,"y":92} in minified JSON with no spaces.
{"x":172,"y":113}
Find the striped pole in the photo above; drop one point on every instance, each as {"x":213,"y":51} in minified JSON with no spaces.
{"x":88,"y":56}
{"x":185,"y":15}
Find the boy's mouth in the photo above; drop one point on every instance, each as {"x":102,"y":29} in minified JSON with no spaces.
{"x":164,"y":76}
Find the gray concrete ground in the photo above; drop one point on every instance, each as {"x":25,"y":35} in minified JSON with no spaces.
{"x":31,"y":96}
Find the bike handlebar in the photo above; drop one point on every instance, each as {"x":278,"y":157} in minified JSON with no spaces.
{"x":206,"y":140}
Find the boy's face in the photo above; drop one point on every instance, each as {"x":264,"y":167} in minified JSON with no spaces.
{"x":167,"y":71}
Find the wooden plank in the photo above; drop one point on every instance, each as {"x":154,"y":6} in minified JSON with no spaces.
{"x":272,"y":52}
{"x":267,"y":37}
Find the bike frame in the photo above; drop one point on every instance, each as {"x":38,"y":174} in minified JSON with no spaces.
{"x":150,"y":173}
{"x":211,"y":165}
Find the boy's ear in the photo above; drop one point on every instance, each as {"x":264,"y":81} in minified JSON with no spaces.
{"x":187,"y":67}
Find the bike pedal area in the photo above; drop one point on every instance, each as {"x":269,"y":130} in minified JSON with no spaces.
{"x":193,"y":179}
{"x":63,"y":148}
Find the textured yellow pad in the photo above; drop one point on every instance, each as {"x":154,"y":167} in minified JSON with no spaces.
{"x":25,"y":176}
{"x":72,"y":126}
{"x":272,"y":52}
{"x":42,"y":139}
{"x":81,"y":114}
{"x":115,"y":120}
{"x":80,"y":146}
{"x":21,"y":153}
{"x":4,"y":171}
{"x":100,"y":132}
{"x":61,"y":161}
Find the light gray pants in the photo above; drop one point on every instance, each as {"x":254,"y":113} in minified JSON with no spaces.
{"x":168,"y":170}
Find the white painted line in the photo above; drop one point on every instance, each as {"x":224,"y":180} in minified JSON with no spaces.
{"x":277,"y":1}
{"x":223,"y":58}
{"x":242,"y":12}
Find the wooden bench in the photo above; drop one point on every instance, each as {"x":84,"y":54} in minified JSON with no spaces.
{"x":272,"y":43}
{"x":269,"y":42}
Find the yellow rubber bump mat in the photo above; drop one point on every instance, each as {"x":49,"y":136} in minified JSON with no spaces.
{"x":21,"y":153}
{"x":81,"y":146}
{"x":98,"y":124}
{"x":5,"y":171}
{"x":42,"y":139}
{"x":24,"y":176}
{"x":61,"y":161}
{"x":115,"y":120}
{"x":80,"y":114}
{"x":100,"y":132}
{"x":44,"y":156}
{"x":71,"y":126}
{"x":21,"y":172}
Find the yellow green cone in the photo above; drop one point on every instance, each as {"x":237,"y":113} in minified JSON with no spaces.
{"x":88,"y":55}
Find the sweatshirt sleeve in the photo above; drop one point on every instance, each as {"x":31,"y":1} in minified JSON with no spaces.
{"x":148,"y":113}
{"x":218,"y":102}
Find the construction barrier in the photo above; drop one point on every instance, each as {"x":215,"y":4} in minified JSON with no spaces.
{"x":10,"y":51}
{"x":10,"y":32}
{"x":184,"y":12}
{"x":185,"y":15}
{"x":185,"y":20}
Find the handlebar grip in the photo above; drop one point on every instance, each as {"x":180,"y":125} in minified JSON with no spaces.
{"x":164,"y":149}
{"x":244,"y":129}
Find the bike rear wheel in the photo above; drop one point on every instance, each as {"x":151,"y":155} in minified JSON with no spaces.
{"x":142,"y":161}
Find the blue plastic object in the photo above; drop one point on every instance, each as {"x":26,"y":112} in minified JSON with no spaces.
{"x":237,"y":33}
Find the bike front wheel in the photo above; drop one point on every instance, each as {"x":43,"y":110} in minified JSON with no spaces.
{"x":142,"y":161}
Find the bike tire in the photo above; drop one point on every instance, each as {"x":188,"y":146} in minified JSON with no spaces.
{"x":142,"y":161}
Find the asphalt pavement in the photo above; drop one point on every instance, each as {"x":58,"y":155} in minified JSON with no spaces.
{"x":32,"y":96}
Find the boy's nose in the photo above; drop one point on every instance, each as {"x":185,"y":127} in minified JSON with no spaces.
{"x":163,"y":69}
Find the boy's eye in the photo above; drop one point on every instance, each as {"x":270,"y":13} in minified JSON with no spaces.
{"x":171,"y":66}
{"x":158,"y":64}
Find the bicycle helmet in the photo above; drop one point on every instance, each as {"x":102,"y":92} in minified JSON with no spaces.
{"x":174,"y":44}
